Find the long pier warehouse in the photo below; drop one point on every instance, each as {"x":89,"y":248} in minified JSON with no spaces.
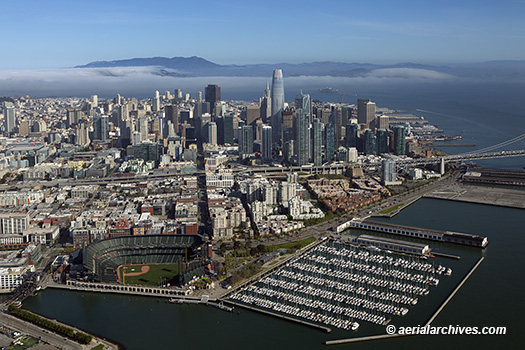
{"x":416,"y":232}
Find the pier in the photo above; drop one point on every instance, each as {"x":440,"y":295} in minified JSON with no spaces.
{"x":498,"y":196}
{"x":454,"y":292}
{"x":420,"y":233}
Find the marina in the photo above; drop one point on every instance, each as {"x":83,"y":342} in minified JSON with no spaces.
{"x":429,"y":322}
{"x":340,"y":284}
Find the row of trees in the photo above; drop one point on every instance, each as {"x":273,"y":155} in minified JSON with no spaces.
{"x":82,"y":338}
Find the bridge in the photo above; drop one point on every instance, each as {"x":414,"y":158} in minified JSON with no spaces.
{"x":484,"y":153}
{"x":460,"y":158}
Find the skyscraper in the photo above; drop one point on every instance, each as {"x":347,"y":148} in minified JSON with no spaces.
{"x":366,"y":112}
{"x":351,"y":135}
{"x":277,"y":104}
{"x":172,"y":114}
{"x":388,"y":172}
{"x":252,"y":114}
{"x":266,"y":105}
{"x":399,"y":140}
{"x":74,"y":115}
{"x":246,"y":140}
{"x":143,"y":127}
{"x":212,"y":94}
{"x":382,"y":141}
{"x":156,"y":102}
{"x":9,"y":118}
{"x":267,"y":142}
{"x":100,"y":127}
{"x":330,"y":141}
{"x":317,"y":142}
{"x":82,"y":135}
{"x":212,"y":133}
{"x":228,"y":129}
{"x":302,"y":136}
{"x":370,"y":142}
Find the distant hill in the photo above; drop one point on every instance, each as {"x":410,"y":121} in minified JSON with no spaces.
{"x":197,"y":66}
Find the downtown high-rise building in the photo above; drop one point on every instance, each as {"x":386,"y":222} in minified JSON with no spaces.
{"x":224,"y":129}
{"x":351,"y":135}
{"x":252,"y":114}
{"x":317,"y":142}
{"x":366,"y":112}
{"x":382,"y":141}
{"x":388,"y":172}
{"x":302,"y":136}
{"x":267,"y":142}
{"x":399,"y":140}
{"x":101,"y":127}
{"x":266,"y":105}
{"x":246,"y":140}
{"x":212,"y":95}
{"x":143,"y":127}
{"x":329,"y":131}
{"x":156,"y":101}
{"x":172,"y":115}
{"x":212,"y":133}
{"x":277,"y":98}
{"x":9,"y":118}
{"x":82,"y":135}
{"x":369,"y":142}
{"x":74,"y":115}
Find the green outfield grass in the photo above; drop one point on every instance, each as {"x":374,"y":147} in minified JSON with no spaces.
{"x":156,"y":274}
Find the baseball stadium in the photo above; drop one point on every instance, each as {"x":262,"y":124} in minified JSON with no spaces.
{"x":153,"y":258}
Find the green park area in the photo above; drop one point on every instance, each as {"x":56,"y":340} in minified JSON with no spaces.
{"x":391,"y":209}
{"x":293,"y":246}
{"x":158,"y":274}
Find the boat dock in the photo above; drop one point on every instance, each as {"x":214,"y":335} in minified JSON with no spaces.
{"x":338,"y":283}
{"x":284,"y":317}
{"x":428,"y":323}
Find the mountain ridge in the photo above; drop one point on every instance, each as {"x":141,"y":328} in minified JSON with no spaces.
{"x":195,"y":66}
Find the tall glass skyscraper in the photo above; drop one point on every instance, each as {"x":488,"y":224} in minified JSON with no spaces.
{"x":351,"y":135}
{"x":329,"y":141}
{"x":317,"y":142}
{"x":277,"y":104}
{"x":370,"y":142}
{"x":246,"y":140}
{"x":399,"y":140}
{"x":302,"y":136}
{"x":382,"y":141}
{"x":100,"y":127}
{"x":267,"y":142}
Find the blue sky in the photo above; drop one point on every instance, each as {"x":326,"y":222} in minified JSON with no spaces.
{"x":56,"y":34}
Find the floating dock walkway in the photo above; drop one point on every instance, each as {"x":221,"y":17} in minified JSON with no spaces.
{"x":284,"y":317}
